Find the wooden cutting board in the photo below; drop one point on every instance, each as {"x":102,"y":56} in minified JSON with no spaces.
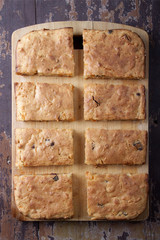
{"x":79,"y":125}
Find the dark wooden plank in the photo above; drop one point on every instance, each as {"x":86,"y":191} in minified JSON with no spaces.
{"x":154,"y":107}
{"x":50,"y":12}
{"x":92,"y":230}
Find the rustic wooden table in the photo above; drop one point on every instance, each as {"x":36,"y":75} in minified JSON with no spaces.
{"x":15,"y":14}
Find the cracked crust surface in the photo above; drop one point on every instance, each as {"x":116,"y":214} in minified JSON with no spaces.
{"x":44,"y":196}
{"x":44,"y":102}
{"x":116,"y":196}
{"x":46,"y":52}
{"x":114,"y":102}
{"x":43,"y":147}
{"x":113,"y":54}
{"x":115,"y":146}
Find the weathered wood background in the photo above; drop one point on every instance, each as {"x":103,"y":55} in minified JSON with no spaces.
{"x":15,"y":14}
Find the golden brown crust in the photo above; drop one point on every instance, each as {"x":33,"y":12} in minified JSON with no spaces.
{"x":116,"y":196}
{"x":115,"y":146}
{"x":43,"y":147}
{"x":114,"y":102}
{"x":46,"y":52}
{"x":44,"y":102}
{"x":113,"y":54}
{"x":44,"y":196}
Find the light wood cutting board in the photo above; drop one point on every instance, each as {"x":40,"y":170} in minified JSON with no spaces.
{"x":79,"y":125}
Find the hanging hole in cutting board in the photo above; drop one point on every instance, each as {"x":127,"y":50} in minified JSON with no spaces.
{"x":78,"y":42}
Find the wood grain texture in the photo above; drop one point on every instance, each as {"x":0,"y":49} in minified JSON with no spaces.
{"x":20,"y":13}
